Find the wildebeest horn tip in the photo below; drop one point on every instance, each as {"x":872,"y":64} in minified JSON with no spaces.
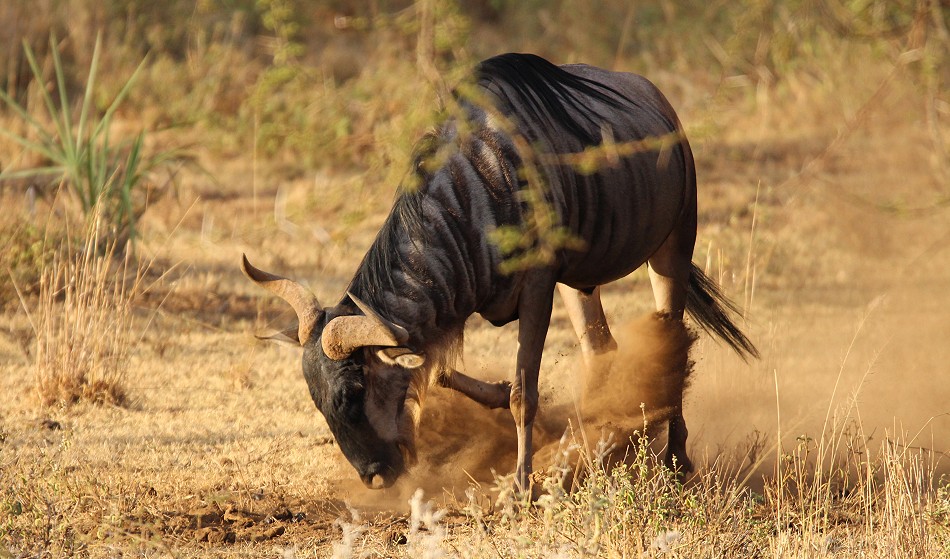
{"x":304,"y":303}
{"x":399,"y":333}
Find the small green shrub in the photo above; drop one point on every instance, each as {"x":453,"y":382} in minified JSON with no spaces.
{"x":27,"y":252}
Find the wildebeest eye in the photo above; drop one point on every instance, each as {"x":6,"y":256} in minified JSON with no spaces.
{"x":349,"y":400}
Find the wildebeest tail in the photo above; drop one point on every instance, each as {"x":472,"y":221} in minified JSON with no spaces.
{"x":708,"y":306}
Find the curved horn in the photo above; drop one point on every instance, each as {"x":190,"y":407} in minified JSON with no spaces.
{"x":304,"y":303}
{"x":399,"y":333}
{"x":345,"y":334}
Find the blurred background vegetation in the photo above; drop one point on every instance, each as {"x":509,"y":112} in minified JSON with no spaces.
{"x":345,"y":87}
{"x":333,"y":83}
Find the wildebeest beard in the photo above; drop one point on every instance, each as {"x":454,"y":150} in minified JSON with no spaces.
{"x":340,"y":390}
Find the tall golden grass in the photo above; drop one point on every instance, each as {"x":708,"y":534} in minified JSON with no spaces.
{"x":84,"y":322}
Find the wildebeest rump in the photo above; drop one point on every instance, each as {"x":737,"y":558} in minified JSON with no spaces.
{"x":515,"y":148}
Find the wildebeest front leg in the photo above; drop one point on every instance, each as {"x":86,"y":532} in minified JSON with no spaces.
{"x":534,"y":311}
{"x":492,"y":395}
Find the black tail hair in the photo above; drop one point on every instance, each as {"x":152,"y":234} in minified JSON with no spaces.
{"x":708,"y":306}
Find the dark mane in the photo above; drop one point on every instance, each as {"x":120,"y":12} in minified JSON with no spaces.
{"x":380,"y":267}
{"x":405,"y":220}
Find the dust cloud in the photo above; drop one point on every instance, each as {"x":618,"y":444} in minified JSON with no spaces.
{"x":860,"y":383}
{"x":620,"y":395}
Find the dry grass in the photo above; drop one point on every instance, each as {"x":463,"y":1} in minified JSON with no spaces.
{"x":84,"y":325}
{"x":822,"y":211}
{"x":874,"y":503}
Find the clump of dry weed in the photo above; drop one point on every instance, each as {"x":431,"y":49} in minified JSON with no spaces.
{"x":84,"y":324}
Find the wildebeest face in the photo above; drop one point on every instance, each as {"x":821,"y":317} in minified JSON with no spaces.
{"x":364,"y":401}
{"x":358,"y":369}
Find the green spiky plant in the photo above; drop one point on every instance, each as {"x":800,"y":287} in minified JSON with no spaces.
{"x":100,"y":173}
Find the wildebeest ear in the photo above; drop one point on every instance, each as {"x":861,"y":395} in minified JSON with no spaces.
{"x":290,"y":335}
{"x":402,"y":356}
{"x":304,"y":303}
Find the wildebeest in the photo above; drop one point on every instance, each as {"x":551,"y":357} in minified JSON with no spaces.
{"x":513,"y":151}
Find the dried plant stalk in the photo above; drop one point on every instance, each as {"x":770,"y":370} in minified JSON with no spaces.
{"x":85,"y":325}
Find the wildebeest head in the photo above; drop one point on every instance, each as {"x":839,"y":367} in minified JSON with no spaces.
{"x":360,"y":376}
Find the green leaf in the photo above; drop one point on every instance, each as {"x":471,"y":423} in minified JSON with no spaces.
{"x":34,"y":172}
{"x":89,"y":92}
{"x":41,"y":148}
{"x":23,"y":114}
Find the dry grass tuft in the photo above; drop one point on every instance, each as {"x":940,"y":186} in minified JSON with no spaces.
{"x":84,"y":324}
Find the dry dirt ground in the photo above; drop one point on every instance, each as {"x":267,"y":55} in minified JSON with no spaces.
{"x":221,"y":451}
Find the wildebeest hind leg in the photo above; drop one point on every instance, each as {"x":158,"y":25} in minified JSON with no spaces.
{"x":669,"y":275}
{"x":590,"y":324}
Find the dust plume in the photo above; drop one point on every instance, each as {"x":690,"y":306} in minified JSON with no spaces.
{"x":858,"y":383}
{"x":643,"y":384}
{"x":461,"y":443}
